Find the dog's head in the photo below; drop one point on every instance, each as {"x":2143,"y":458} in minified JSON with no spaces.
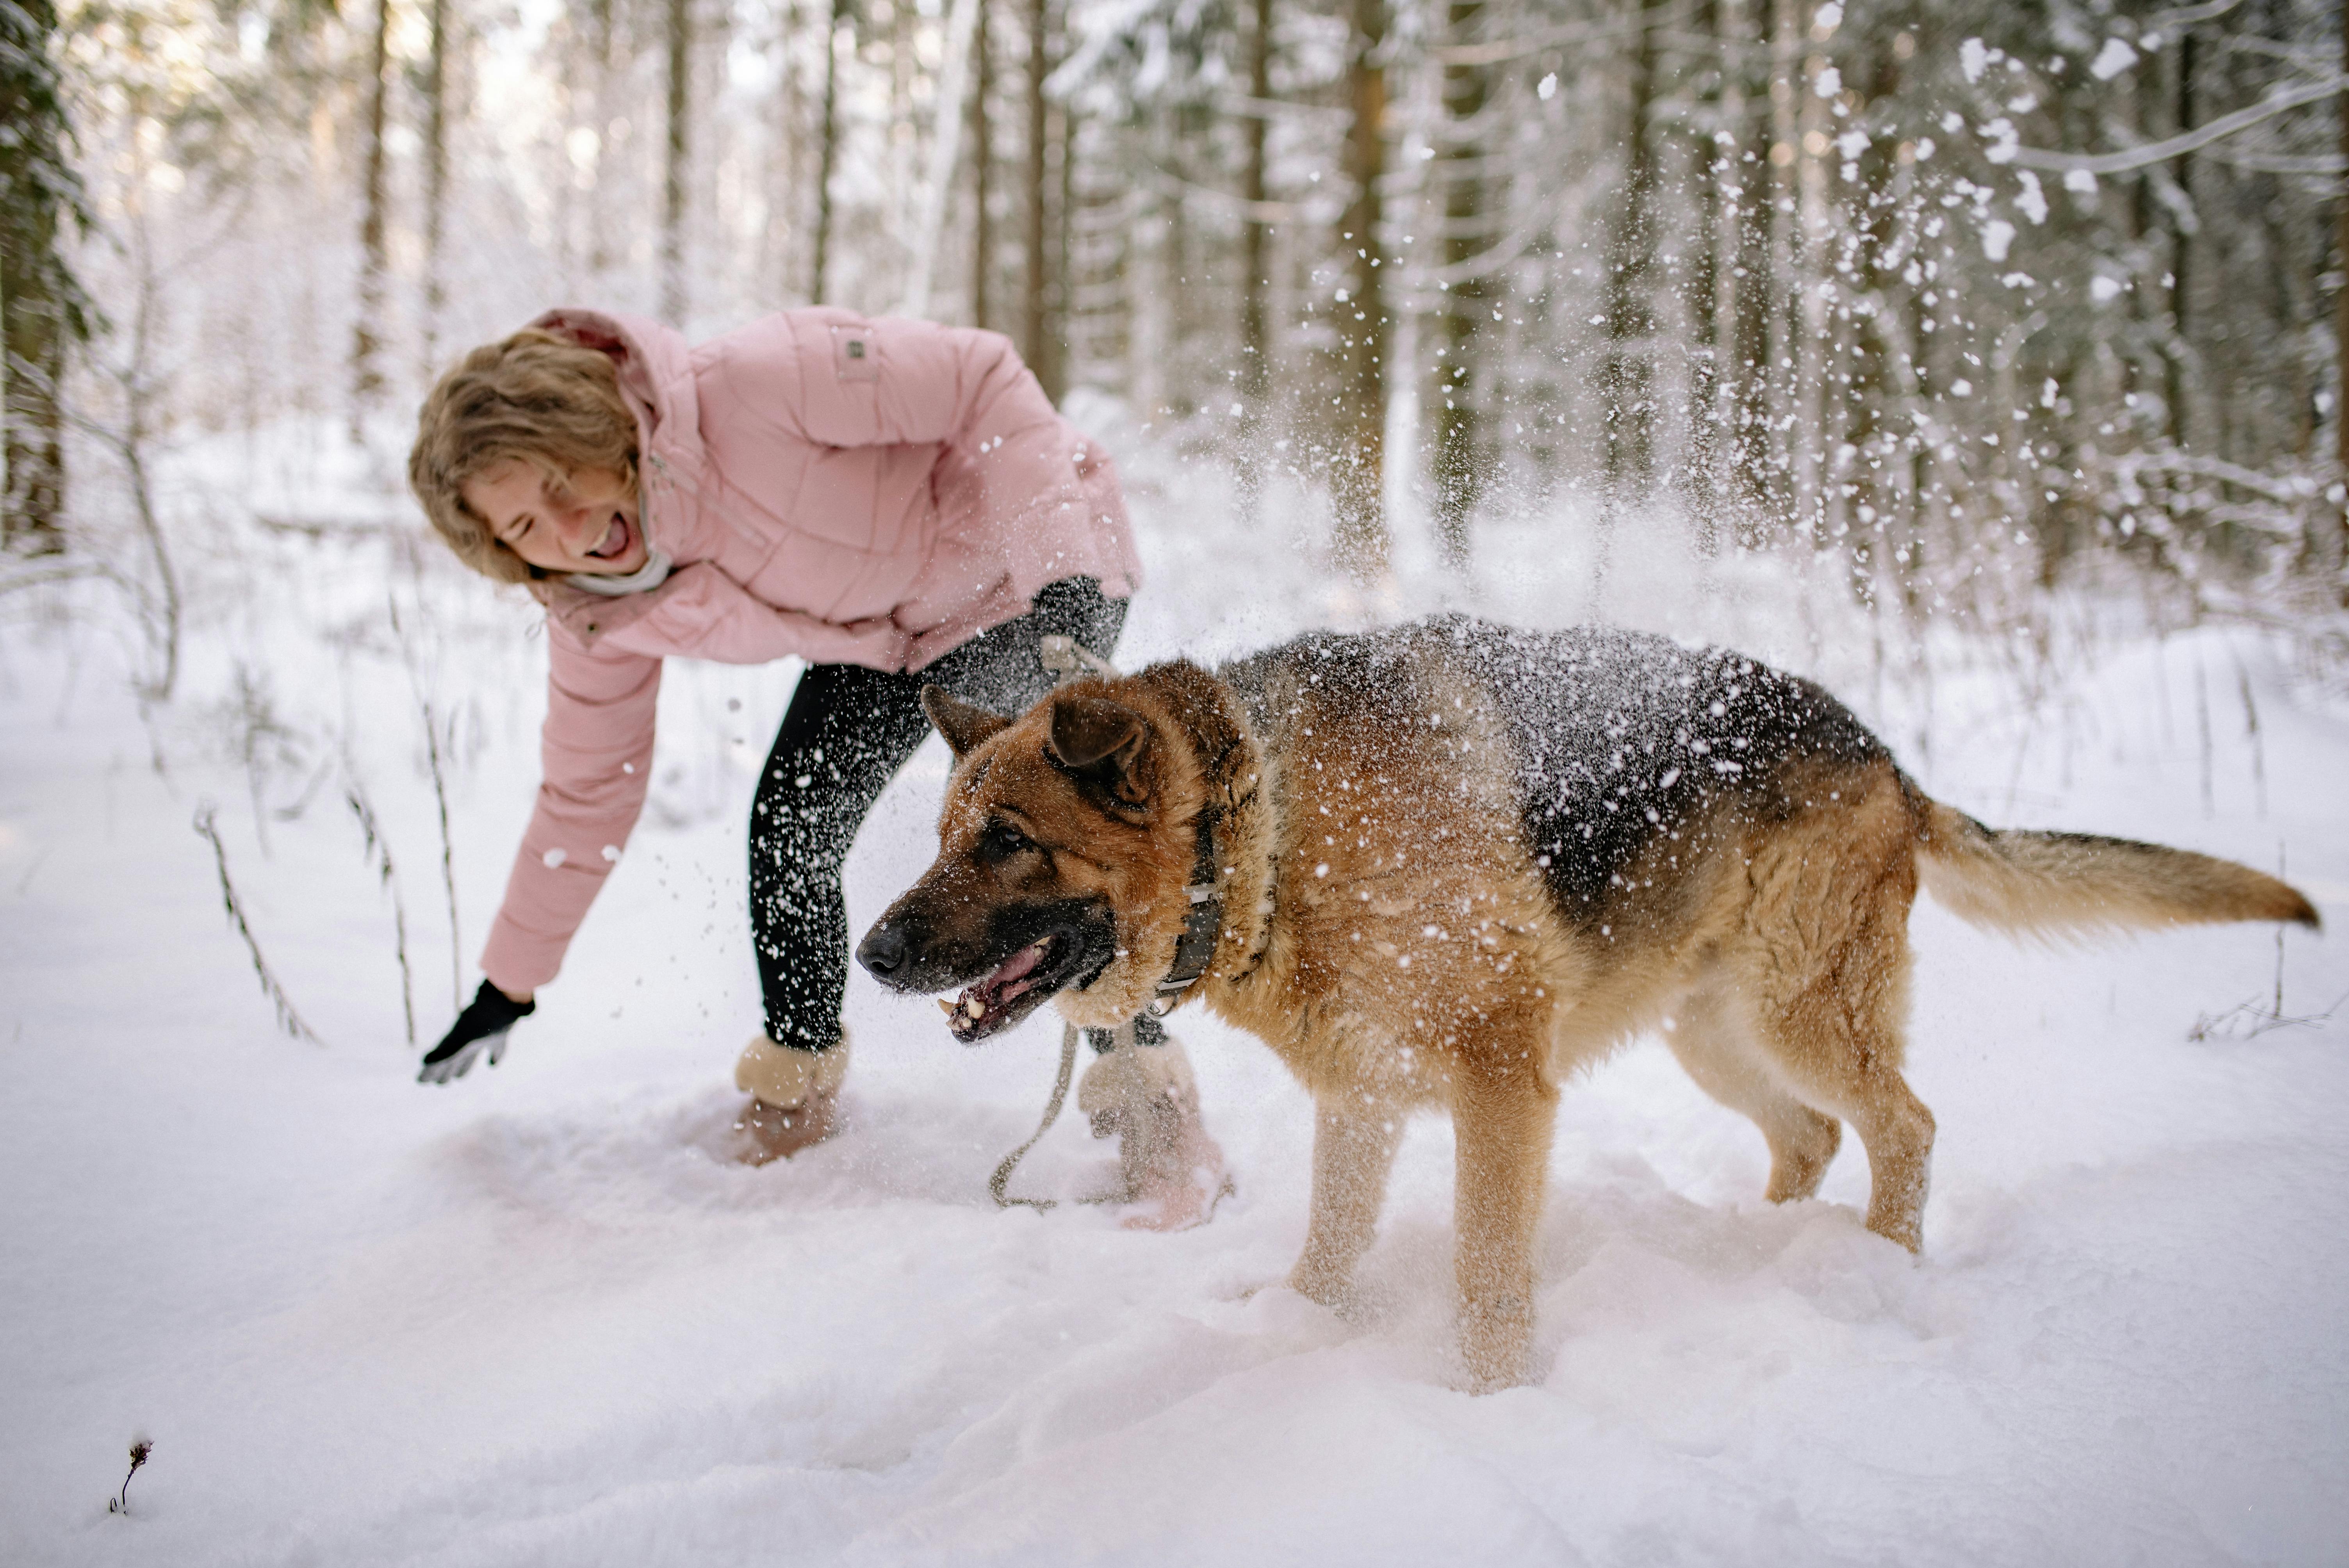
{"x":1061,"y":861}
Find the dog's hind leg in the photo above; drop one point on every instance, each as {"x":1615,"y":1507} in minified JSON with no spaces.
{"x":1354,"y":1142}
{"x":1711,"y":1039}
{"x":1833,"y":1035}
{"x":1503,"y":1115}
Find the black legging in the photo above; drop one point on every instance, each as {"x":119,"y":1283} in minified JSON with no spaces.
{"x":846,"y":733}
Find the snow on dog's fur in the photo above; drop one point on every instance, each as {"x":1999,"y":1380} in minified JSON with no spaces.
{"x":1457,"y":863}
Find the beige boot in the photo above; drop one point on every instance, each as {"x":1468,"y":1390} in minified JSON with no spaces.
{"x":793,"y":1098}
{"x":1145,"y":1096}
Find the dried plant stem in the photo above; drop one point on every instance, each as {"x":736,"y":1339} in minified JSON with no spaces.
{"x":378,"y":851}
{"x":2202,"y":730}
{"x":441,"y":796}
{"x":2251,"y":729}
{"x":287,"y":1018}
{"x":120,"y":1502}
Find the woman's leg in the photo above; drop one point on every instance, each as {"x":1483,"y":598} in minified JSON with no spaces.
{"x":847,"y":732}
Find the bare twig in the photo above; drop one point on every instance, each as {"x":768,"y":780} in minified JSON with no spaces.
{"x":287,"y":1018}
{"x":379,"y":850}
{"x":2250,"y":1020}
{"x":127,"y":442}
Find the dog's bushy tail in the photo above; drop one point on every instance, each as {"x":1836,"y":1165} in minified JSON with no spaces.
{"x":2052,"y":883}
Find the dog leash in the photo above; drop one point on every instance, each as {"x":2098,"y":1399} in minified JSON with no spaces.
{"x":1064,"y":659}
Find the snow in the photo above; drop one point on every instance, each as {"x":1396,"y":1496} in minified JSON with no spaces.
{"x":533,"y":1318}
{"x":2111,"y":60}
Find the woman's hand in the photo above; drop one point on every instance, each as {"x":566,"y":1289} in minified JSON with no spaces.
{"x":480,"y":1027}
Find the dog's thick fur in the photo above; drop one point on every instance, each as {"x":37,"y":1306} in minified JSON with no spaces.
{"x":1457,"y":863}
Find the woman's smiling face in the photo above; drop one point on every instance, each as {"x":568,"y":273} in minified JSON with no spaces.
{"x":588,"y":522}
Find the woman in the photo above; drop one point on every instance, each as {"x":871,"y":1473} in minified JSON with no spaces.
{"x":892,"y":501}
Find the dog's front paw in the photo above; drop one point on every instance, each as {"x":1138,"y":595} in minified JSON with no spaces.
{"x":1496,"y":1345}
{"x":1332,"y":1288}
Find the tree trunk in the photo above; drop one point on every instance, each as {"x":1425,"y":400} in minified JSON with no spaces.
{"x":2181,"y":256}
{"x":436,"y":178}
{"x":1358,"y":472}
{"x":1808,"y":312}
{"x":1713,"y":164}
{"x":1255,"y":349}
{"x":41,"y":306}
{"x":827,"y":152}
{"x":1752,"y":289}
{"x":982,"y":155}
{"x":599,"y":221}
{"x":946,"y":153}
{"x":1627,"y":371}
{"x":2341,"y":331}
{"x":673,"y":174}
{"x":1784,"y":429}
{"x":367,"y":376}
{"x":1040,"y":333}
{"x":1867,"y":418}
{"x":1458,"y":462}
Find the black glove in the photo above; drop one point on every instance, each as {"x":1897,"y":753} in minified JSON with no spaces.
{"x":481,"y":1027}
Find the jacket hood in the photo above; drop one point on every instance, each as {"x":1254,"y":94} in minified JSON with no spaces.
{"x":655,"y":369}
{"x":656,"y":380}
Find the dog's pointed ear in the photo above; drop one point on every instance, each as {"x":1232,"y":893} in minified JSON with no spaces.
{"x":963,"y":724}
{"x":1102,"y":741}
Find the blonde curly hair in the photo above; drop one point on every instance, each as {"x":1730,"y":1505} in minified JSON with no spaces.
{"x":535,"y":396}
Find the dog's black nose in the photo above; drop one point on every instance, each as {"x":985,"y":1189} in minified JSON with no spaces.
{"x":883,"y":951}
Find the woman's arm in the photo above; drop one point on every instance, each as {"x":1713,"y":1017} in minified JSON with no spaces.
{"x":596,"y":755}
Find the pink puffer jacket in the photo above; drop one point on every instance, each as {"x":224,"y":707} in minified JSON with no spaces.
{"x":838,"y":489}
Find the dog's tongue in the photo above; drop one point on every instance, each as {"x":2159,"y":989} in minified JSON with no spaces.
{"x":1016,"y":965}
{"x":988,"y":993}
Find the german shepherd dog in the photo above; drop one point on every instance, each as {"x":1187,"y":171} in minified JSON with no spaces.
{"x":1447,"y":864}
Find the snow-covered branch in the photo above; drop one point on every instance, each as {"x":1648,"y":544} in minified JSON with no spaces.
{"x":2173,"y":147}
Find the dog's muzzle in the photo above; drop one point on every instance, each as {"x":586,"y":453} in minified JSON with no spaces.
{"x":1028,"y":954}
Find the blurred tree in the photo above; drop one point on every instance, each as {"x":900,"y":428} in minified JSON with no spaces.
{"x":370,"y":322}
{"x":982,"y":164}
{"x":1358,"y":466}
{"x":436,"y":176}
{"x":1255,"y":261}
{"x":677,"y":150}
{"x":835,"y":16}
{"x":1459,"y":462}
{"x":43,"y":310}
{"x":1627,"y":370}
{"x":1042,"y":328}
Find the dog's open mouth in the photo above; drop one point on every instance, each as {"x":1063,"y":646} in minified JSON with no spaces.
{"x":1018,"y":986}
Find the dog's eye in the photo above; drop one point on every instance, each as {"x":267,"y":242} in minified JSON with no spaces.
{"x":1002,"y":840}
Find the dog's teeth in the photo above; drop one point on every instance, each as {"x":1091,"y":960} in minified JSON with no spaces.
{"x":945,"y":1007}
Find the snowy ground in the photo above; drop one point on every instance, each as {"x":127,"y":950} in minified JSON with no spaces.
{"x":530,"y":1318}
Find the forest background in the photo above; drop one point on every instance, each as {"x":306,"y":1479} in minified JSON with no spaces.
{"x":1980,"y":360}
{"x":1972,"y":300}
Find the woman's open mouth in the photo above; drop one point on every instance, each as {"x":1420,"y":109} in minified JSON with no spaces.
{"x":1017,"y":985}
{"x":616,"y":539}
